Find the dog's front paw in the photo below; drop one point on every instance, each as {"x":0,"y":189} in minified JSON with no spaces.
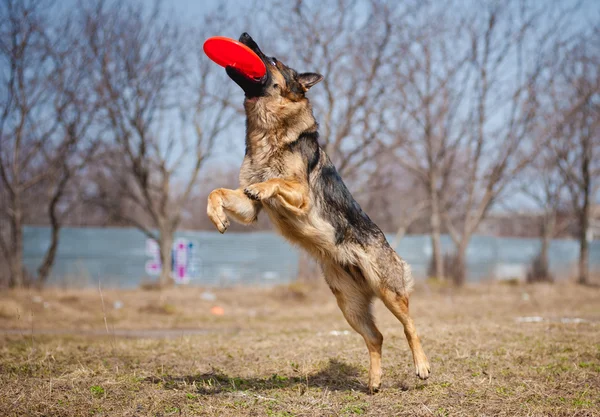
{"x":219,"y":219}
{"x":258,"y":192}
{"x":215,"y":212}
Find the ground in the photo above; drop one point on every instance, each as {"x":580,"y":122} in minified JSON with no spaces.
{"x":495,"y":350}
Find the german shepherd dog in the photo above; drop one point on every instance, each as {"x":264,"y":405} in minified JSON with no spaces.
{"x":286,"y":174}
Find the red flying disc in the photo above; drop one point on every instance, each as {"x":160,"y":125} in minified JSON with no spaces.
{"x":230,"y":53}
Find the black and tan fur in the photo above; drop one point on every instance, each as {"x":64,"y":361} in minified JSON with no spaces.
{"x":286,"y":174}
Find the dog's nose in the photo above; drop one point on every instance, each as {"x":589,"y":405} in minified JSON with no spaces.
{"x":245,"y":37}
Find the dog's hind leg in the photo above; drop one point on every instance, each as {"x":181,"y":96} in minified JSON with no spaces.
{"x":355,"y":304}
{"x":398,"y":305}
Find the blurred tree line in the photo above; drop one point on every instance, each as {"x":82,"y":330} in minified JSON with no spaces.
{"x":434,"y":112}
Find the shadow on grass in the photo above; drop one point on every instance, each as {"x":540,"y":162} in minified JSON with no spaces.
{"x":336,"y":376}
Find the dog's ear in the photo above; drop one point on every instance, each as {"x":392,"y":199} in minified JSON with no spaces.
{"x":308,"y":79}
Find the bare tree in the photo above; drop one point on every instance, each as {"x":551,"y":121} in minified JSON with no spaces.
{"x":160,"y":113}
{"x":43,"y":120}
{"x":575,"y":97}
{"x":431,"y":79}
{"x":544,"y":185}
{"x":508,"y":42}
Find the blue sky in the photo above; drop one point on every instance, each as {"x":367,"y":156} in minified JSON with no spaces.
{"x":193,"y":9}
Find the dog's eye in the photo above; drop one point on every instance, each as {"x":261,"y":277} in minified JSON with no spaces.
{"x":273,"y":61}
{"x":275,"y":85}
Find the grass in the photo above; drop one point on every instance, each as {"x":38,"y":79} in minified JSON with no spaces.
{"x":272,"y":353}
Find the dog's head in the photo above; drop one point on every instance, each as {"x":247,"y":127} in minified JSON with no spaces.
{"x":281,"y":86}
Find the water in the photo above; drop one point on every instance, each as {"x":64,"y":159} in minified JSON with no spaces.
{"x":121,"y":257}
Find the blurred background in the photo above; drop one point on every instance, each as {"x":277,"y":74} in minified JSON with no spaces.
{"x":469,"y":131}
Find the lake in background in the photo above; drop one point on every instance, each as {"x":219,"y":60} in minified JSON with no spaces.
{"x":124,"y":257}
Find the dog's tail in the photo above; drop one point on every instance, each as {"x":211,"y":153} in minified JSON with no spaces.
{"x":394,"y":273}
{"x":408,"y":281}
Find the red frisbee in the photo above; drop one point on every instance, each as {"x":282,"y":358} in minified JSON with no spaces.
{"x":230,"y":53}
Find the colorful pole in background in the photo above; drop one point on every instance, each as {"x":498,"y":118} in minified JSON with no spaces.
{"x":184,"y":260}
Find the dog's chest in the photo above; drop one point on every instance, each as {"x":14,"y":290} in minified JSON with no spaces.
{"x":252,"y":173}
{"x":262,"y":166}
{"x":267,"y":157}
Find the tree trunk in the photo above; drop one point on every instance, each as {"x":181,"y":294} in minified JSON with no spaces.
{"x":435,"y":222}
{"x":436,"y":245}
{"x":459,"y":267}
{"x":544,"y":269}
{"x":540,"y":268}
{"x":583,"y":243}
{"x":583,"y":259}
{"x":584,"y":214}
{"x":17,"y":278}
{"x":48,"y":262}
{"x":166,"y":258}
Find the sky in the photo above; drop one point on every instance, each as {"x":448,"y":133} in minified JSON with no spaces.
{"x":193,"y":9}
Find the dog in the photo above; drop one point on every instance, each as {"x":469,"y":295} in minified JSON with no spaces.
{"x":287,"y":174}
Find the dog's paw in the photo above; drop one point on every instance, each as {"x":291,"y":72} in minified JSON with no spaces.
{"x":216,"y":214}
{"x":374,"y":380}
{"x":258,"y":192}
{"x":423,"y":369}
{"x":374,"y":389}
{"x":219,"y":219}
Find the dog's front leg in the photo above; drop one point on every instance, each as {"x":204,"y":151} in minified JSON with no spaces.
{"x":223,"y":202}
{"x":291,"y":194}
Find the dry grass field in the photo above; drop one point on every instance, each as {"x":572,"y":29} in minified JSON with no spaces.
{"x":495,"y":350}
